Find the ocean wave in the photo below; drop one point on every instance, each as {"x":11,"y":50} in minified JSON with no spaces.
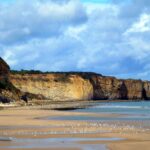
{"x":123,"y":107}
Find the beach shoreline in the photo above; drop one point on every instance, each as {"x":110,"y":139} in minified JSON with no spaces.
{"x":31,"y":124}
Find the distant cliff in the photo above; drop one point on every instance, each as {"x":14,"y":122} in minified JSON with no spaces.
{"x":112,"y":88}
{"x":80,"y":86}
{"x":32,"y":85}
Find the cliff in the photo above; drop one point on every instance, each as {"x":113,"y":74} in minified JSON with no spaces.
{"x":80,"y":86}
{"x":57,"y":87}
{"x":112,"y":88}
{"x":35,"y":85}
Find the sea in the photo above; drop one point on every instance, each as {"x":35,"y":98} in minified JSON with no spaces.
{"x":126,"y":111}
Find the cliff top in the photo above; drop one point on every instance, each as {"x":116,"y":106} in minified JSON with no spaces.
{"x":22,"y":72}
{"x":86,"y":75}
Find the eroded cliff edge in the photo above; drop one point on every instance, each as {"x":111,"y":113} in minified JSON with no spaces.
{"x":67,"y":86}
{"x":80,"y":86}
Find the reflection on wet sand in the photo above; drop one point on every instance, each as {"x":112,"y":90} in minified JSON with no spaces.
{"x":47,"y":129}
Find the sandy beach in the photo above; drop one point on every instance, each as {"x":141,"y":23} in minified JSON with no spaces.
{"x":24,"y":124}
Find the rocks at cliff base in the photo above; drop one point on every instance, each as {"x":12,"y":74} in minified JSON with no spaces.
{"x":5,"y":99}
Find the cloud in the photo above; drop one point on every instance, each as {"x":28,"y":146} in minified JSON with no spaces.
{"x":133,"y":8}
{"x":66,"y":35}
{"x":23,"y":21}
{"x":142,"y":25}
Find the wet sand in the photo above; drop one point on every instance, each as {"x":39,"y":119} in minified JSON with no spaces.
{"x":31,"y":124}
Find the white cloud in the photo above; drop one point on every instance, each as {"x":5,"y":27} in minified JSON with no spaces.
{"x":66,"y":35}
{"x":143,"y":25}
{"x":24,"y":20}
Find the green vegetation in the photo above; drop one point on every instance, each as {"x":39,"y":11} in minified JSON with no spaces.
{"x":5,"y":84}
{"x":26,"y":72}
{"x":63,"y":76}
{"x":84,"y":74}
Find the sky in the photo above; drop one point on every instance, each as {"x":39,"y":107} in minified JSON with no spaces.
{"x":110,"y":37}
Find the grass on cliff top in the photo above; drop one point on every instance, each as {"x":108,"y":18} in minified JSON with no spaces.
{"x":84,"y":74}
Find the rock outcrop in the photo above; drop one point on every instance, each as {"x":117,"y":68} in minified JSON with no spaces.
{"x":81,"y":86}
{"x":4,"y":73}
{"x":112,"y":88}
{"x":4,"y":69}
{"x":8,"y":92}
{"x":146,"y":90}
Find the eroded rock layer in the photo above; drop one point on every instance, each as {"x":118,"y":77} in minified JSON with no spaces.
{"x":81,"y":86}
{"x":112,"y":88}
{"x":58,"y":87}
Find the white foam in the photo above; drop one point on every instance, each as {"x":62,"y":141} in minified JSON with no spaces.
{"x":123,"y":107}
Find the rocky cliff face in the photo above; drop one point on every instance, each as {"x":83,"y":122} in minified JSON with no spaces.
{"x":76,"y":86}
{"x":112,"y":88}
{"x":146,"y":90}
{"x":57,"y":87}
{"x":68,"y":86}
